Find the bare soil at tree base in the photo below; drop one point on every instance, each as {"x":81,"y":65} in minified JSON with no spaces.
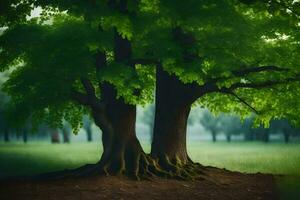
{"x":219,"y":184}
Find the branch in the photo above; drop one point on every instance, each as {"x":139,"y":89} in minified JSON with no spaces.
{"x":247,"y":71}
{"x":264,"y":84}
{"x":289,"y":8}
{"x":89,"y":98}
{"x":143,"y":61}
{"x":80,"y":98}
{"x":240,"y":99}
{"x":100,"y":60}
{"x":88,"y":86}
{"x":196,"y":91}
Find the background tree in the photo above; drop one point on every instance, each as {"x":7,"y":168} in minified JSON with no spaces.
{"x":66,"y":131}
{"x":231,"y":125}
{"x":211,"y":123}
{"x":87,"y":125}
{"x":3,"y":100}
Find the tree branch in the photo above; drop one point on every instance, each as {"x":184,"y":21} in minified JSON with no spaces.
{"x":100,"y":60}
{"x":80,"y":98}
{"x":143,"y":61}
{"x":248,"y":71}
{"x":195,"y":91}
{"x":264,"y":84}
{"x":240,"y":99}
{"x":88,"y":86}
{"x":88,"y":99}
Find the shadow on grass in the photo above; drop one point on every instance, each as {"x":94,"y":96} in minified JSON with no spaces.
{"x":13,"y":165}
{"x":24,"y":160}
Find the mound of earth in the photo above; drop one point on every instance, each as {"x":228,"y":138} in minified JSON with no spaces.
{"x":219,"y":184}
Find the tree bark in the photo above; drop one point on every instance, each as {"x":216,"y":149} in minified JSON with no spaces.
{"x":54,"y":136}
{"x":89,"y":134}
{"x":121,"y":148}
{"x":66,"y":136}
{"x":214,"y":136}
{"x":6,"y":135}
{"x":25,"y":136}
{"x":171,"y":113}
{"x":122,"y":152}
{"x":228,"y":137}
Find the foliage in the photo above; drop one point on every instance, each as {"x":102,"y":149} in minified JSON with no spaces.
{"x":249,"y":48}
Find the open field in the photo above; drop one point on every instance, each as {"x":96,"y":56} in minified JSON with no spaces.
{"x":276,"y":158}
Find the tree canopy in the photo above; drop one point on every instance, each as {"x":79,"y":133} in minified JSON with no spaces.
{"x":245,"y":52}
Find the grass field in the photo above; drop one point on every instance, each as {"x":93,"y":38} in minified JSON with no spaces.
{"x":276,"y":158}
{"x":25,"y":159}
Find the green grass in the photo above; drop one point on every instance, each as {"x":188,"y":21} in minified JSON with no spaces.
{"x":276,"y":158}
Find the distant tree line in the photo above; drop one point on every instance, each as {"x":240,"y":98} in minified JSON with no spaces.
{"x":43,"y":131}
{"x":231,"y":125}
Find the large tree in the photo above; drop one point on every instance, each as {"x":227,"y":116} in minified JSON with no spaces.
{"x":100,"y":56}
{"x":78,"y":56}
{"x":229,"y":56}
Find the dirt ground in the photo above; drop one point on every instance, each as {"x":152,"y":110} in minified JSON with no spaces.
{"x":219,"y":184}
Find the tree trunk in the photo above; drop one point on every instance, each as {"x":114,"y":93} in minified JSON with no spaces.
{"x":170,"y":124}
{"x":66,"y":136}
{"x":214,"y":136}
{"x":266,"y":136}
{"x":169,"y":139}
{"x":6,"y":135}
{"x":228,"y":137}
{"x":54,"y":137}
{"x":122,"y":152}
{"x":89,"y":134}
{"x":25,"y":136}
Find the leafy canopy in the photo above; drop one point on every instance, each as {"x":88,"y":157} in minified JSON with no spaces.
{"x":248,"y":47}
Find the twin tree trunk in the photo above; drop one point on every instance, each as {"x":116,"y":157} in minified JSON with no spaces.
{"x":122,"y":152}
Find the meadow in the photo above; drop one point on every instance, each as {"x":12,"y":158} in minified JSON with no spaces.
{"x":17,"y":159}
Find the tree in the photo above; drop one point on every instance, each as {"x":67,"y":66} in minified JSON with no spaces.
{"x":211,"y":123}
{"x":3,"y":100}
{"x":84,"y":65}
{"x":231,"y":125}
{"x":103,"y":57}
{"x":54,"y":136}
{"x":87,"y":125}
{"x":233,"y":54}
{"x":66,"y":131}
{"x":282,"y":126}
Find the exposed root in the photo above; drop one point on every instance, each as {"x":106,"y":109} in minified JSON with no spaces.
{"x":182,"y":171}
{"x":141,"y":166}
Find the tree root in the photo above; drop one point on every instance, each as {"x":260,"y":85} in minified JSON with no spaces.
{"x":143,"y":167}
